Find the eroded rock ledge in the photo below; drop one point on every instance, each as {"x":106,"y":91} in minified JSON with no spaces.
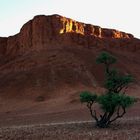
{"x":57,"y":31}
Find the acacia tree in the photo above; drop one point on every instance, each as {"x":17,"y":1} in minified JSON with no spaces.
{"x":114,"y":101}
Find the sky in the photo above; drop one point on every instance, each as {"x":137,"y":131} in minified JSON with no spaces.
{"x":122,"y":15}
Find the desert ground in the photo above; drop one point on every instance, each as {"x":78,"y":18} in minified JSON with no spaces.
{"x":123,"y":130}
{"x":63,"y":117}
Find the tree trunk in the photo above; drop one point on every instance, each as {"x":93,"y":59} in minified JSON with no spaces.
{"x":102,"y":123}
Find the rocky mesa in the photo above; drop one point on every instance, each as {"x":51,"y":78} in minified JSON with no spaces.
{"x":47,"y":32}
{"x":54,"y":53}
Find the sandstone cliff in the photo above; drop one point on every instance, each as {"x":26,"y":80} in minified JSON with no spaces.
{"x":47,"y":32}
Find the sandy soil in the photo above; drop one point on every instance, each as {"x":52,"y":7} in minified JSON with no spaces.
{"x":28,"y":119}
{"x":40,"y":123}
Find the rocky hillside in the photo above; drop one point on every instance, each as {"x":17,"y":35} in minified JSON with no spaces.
{"x":54,"y":52}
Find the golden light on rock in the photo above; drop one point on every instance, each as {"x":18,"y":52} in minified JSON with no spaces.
{"x":61,"y":31}
{"x":71,"y":26}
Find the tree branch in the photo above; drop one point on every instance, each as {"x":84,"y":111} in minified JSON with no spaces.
{"x":93,"y":114}
{"x":120,"y":88}
{"x":118,"y":114}
{"x":103,"y":116}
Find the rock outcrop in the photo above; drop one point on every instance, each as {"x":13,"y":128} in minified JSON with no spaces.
{"x":53,"y":52}
{"x":47,"y":32}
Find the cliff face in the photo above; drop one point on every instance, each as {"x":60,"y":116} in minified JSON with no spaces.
{"x":46,"y":32}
